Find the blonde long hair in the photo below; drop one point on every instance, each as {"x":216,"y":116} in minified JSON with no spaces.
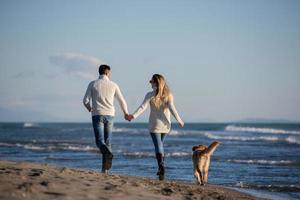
{"x":163,"y":93}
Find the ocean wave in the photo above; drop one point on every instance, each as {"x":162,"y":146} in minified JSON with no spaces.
{"x":59,"y":158}
{"x":25,"y":146}
{"x":79,"y":148}
{"x":272,"y":188}
{"x":6,"y":144}
{"x":88,"y":148}
{"x":30,"y":147}
{"x":291,"y":140}
{"x":241,"y":138}
{"x":175,"y":132}
{"x":259,"y":130}
{"x":185,"y":132}
{"x":118,"y":130}
{"x":152,"y":154}
{"x":51,"y":157}
{"x":130,"y":130}
{"x":179,"y":154}
{"x":137,"y":154}
{"x":62,"y":146}
{"x":264,"y":162}
{"x":30,"y":125}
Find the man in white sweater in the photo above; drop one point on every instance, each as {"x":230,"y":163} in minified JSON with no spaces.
{"x":101,"y":94}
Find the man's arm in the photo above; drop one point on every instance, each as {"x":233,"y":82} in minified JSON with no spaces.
{"x":87,"y":97}
{"x":121,"y":100}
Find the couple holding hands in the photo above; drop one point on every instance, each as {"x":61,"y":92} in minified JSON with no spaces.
{"x":101,"y":93}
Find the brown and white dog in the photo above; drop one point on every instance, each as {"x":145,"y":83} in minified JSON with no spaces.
{"x":201,"y":161}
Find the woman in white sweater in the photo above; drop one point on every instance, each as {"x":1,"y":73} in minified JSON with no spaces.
{"x":161,"y":106}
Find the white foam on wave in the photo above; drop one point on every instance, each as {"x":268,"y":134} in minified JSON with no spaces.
{"x":152,"y":154}
{"x":269,"y":162}
{"x":179,"y":154}
{"x":185,"y":132}
{"x":119,"y":130}
{"x":25,"y":146}
{"x":80,"y":148}
{"x":241,"y":138}
{"x":174,"y":132}
{"x":259,"y":130}
{"x":30,"y":146}
{"x":62,"y":146}
{"x":6,"y":144}
{"x":129,"y":130}
{"x":138,"y":154}
{"x":29,"y":124}
{"x":292,"y":140}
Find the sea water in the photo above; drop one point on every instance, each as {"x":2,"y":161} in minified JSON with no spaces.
{"x":262,"y":159}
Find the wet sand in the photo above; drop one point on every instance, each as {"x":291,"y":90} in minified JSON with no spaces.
{"x":24,"y":180}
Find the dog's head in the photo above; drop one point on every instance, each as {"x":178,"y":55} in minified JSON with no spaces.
{"x":199,"y":147}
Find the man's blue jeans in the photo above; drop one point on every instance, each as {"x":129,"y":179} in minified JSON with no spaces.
{"x":158,"y":141}
{"x":103,"y":125}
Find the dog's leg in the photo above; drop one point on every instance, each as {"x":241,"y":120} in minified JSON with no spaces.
{"x":202,"y":169}
{"x":200,"y":177}
{"x":195,"y":164}
{"x":196,"y":171}
{"x":206,"y":167}
{"x":197,"y":175}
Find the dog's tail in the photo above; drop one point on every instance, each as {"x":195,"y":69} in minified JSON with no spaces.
{"x":212,"y":147}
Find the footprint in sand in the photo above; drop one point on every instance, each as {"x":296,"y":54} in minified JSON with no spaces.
{"x":35,"y":172}
{"x":110,"y":187}
{"x":167,"y":191}
{"x":44,"y":183}
{"x":25,"y":186}
{"x":55,"y":193}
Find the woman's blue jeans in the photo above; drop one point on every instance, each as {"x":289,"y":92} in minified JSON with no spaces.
{"x":103,"y":125}
{"x":158,"y":141}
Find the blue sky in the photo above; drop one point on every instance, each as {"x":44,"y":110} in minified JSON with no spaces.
{"x":224,"y":60}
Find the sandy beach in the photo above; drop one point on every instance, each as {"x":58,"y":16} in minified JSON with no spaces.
{"x":23,"y":180}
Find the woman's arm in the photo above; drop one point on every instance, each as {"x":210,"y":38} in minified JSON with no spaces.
{"x":143,"y":106}
{"x":174,"y":111}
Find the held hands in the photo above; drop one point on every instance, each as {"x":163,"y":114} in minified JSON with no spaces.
{"x":128,"y":117}
{"x":181,"y":124}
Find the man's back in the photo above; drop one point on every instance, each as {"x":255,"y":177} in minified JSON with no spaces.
{"x":102,"y":92}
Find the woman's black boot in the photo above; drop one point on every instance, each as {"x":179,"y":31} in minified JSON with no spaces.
{"x":161,"y":167}
{"x":104,"y":164}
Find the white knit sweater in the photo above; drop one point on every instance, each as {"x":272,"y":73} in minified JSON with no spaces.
{"x":159,"y":119}
{"x":102,"y":92}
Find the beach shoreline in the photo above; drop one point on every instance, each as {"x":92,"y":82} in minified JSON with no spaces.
{"x":25,"y":180}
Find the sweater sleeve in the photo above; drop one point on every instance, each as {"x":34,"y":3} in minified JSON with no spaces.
{"x":121,"y":100}
{"x":143,"y":106}
{"x":87,"y":97}
{"x":174,"y":111}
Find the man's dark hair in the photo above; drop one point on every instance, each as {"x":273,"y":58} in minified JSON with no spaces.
{"x":103,"y":69}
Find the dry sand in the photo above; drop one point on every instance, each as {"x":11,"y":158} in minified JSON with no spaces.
{"x":23,"y":180}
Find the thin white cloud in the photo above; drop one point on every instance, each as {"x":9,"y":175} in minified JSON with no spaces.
{"x":77,"y":64}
